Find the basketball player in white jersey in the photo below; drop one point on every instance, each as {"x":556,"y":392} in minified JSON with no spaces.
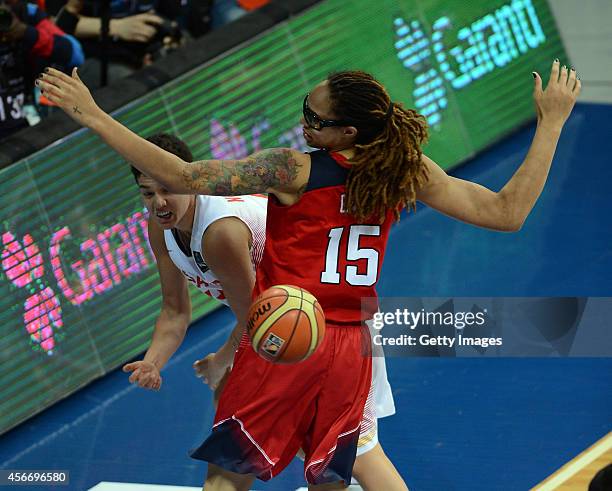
{"x":215,"y":243}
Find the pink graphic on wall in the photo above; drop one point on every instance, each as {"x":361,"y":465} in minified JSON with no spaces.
{"x":109,"y":257}
{"x":42,"y":313}
{"x":23,"y":265}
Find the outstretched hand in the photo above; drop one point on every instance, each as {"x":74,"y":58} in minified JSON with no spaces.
{"x":144,"y":374}
{"x":70,"y":94}
{"x":211,"y":370}
{"x":555,"y":103}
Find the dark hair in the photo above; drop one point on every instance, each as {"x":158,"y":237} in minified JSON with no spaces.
{"x":387,"y":167}
{"x":170,"y":143}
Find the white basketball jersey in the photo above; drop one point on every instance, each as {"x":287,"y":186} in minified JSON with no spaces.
{"x":208,"y":209}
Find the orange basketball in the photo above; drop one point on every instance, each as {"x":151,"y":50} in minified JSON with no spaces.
{"x":285,"y":324}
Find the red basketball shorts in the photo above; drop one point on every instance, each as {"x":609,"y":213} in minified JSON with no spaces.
{"x":267,"y":412}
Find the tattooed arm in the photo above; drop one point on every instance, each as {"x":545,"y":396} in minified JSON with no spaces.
{"x":283,"y":172}
{"x":278,"y":171}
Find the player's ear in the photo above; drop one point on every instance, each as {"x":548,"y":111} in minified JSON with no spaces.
{"x":350,"y":131}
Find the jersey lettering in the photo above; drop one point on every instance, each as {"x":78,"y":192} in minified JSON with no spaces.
{"x":354,"y":253}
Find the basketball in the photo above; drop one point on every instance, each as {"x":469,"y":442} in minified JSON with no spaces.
{"x":285,"y":324}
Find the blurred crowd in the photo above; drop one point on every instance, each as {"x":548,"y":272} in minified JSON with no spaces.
{"x":106,"y":39}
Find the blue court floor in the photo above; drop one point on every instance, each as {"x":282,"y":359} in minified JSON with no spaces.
{"x":462,"y":424}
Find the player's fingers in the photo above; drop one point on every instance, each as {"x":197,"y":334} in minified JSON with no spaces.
{"x":554,"y":72}
{"x":571,"y":79}
{"x":46,"y":84}
{"x":563,"y":76}
{"x":51,"y":92}
{"x":128,"y":367}
{"x":577,"y":87}
{"x":152,"y":384}
{"x":75,"y":74}
{"x":57,"y":74}
{"x":134,"y":377}
{"x":537,"y":86}
{"x":50,"y":97}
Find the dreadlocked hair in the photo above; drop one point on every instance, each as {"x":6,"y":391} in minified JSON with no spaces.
{"x":387,"y":168}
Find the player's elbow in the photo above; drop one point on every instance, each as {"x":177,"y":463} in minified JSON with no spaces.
{"x":511,"y":218}
{"x":512,"y":226}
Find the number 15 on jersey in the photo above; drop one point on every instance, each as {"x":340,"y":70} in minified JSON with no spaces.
{"x":353,"y":253}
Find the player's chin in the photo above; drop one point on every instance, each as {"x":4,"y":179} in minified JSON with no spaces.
{"x":313,"y":143}
{"x":166,"y":223}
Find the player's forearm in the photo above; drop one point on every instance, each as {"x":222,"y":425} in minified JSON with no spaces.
{"x":227,"y":351}
{"x":150,"y":159}
{"x":167,"y":337}
{"x":520,"y":194}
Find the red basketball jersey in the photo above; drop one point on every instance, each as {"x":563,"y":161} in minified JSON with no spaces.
{"x":316,"y":245}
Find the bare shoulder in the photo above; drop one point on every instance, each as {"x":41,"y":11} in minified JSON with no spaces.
{"x":435,"y":176}
{"x":226,"y":236}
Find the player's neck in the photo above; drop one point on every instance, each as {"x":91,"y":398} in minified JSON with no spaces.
{"x":185,"y":224}
{"x":347,"y":152}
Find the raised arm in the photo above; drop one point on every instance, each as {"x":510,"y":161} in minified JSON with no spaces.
{"x":280,"y":171}
{"x":508,"y":209}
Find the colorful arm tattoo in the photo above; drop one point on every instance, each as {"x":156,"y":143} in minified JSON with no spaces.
{"x":259,"y":173}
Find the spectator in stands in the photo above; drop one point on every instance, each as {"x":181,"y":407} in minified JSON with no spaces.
{"x":28,"y":43}
{"x":140,"y":30}
{"x":226,"y":11}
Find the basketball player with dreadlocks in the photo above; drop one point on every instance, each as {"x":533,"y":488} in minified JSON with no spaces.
{"x":328,"y":219}
{"x":215,"y":243}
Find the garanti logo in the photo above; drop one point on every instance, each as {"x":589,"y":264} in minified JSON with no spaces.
{"x":479,"y":49}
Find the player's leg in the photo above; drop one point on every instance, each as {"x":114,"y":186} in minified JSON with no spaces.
{"x":219,"y":479}
{"x":330,"y":444}
{"x":373,"y":470}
